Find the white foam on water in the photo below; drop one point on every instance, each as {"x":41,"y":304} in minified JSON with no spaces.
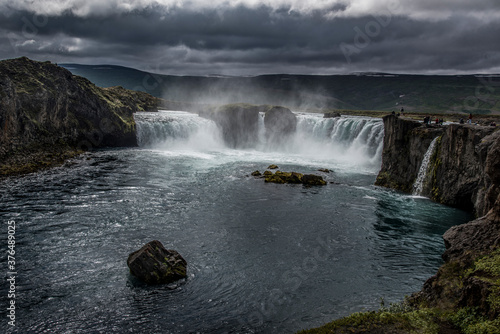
{"x":343,"y":144}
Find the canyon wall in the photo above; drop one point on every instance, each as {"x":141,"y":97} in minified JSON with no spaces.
{"x":46,"y":113}
{"x":463,"y":172}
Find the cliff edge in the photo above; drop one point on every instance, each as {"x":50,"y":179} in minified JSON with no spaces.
{"x":47,"y":115}
{"x":463,"y":170}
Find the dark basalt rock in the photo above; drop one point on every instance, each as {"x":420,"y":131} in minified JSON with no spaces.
{"x":153,"y":264}
{"x":239,"y":123}
{"x":294,"y":178}
{"x":256,"y":173}
{"x":463,"y":171}
{"x":313,"y":180}
{"x":280,"y":123}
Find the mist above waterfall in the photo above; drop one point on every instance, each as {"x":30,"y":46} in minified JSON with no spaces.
{"x":349,"y":141}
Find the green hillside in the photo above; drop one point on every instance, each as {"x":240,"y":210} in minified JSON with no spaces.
{"x":364,"y":91}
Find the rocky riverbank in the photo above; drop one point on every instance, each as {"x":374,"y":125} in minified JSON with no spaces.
{"x":48,"y":115}
{"x":464,"y":295}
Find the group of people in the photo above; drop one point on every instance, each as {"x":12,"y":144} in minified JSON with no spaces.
{"x":439,"y":121}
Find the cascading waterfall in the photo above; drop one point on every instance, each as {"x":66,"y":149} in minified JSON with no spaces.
{"x":177,"y":129}
{"x":358,"y":140}
{"x":418,"y":186}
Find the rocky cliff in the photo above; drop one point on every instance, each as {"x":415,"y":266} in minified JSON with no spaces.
{"x":48,"y":114}
{"x":239,"y":123}
{"x":463,"y":171}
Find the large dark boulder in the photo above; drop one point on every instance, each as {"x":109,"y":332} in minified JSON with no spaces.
{"x":153,"y":264}
{"x":280,"y":123}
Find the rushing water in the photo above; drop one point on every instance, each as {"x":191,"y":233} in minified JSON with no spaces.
{"x":418,"y":186}
{"x":262,"y":258}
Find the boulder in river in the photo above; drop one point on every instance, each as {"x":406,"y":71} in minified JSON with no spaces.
{"x":153,"y":264}
{"x":313,"y":180}
{"x":294,"y":178}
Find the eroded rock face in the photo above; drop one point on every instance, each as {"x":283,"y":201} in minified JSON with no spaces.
{"x":239,"y":123}
{"x":405,"y":144}
{"x":464,"y":242}
{"x":280,"y":123}
{"x":461,"y":170}
{"x":470,"y":275}
{"x":43,"y":107}
{"x":153,"y":264}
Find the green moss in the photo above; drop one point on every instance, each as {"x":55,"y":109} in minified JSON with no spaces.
{"x":425,"y":321}
{"x":471,"y":321}
{"x":488,"y":268}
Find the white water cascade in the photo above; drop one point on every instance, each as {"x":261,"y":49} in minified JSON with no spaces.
{"x":418,"y":186}
{"x":352,"y":140}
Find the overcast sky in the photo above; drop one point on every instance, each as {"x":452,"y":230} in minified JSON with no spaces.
{"x":249,"y":37}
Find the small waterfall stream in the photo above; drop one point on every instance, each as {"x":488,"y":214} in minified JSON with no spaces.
{"x":422,"y":173}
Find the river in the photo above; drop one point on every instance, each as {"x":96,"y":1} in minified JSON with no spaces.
{"x":262,"y":258}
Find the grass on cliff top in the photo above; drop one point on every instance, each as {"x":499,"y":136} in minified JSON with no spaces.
{"x":417,"y":321}
{"x":396,"y":319}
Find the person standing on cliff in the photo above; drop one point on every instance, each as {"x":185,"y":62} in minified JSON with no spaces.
{"x":470,"y":119}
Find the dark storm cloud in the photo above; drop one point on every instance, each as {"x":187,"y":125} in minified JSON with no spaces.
{"x":258,"y":39}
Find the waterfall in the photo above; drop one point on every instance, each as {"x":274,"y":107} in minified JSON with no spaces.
{"x":355,"y":138}
{"x":358,"y":140}
{"x":177,"y":129}
{"x":422,"y":173}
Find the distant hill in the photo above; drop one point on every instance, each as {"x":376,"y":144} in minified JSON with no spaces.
{"x":362,"y":91}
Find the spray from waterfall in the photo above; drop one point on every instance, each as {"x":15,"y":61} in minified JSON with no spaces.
{"x":418,"y":186}
{"x":353,"y":141}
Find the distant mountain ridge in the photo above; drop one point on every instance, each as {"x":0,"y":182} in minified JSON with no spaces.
{"x":477,"y":94}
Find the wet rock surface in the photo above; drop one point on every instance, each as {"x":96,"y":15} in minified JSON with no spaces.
{"x":153,"y":264}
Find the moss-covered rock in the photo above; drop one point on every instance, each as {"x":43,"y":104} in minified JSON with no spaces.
{"x":294,"y":178}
